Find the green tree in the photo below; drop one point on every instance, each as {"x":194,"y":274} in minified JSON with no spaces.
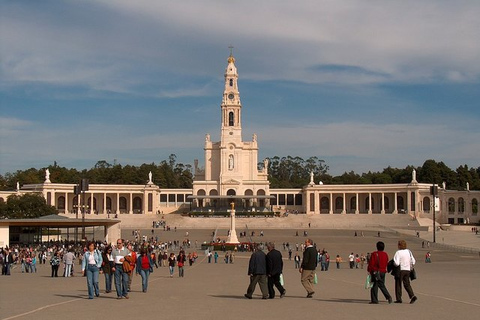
{"x":27,"y":206}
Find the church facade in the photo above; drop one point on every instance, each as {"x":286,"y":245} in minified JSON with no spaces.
{"x":231,"y":174}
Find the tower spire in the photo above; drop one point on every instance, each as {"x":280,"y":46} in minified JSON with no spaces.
{"x":231,"y":58}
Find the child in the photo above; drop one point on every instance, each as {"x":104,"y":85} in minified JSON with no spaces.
{"x":338,"y":259}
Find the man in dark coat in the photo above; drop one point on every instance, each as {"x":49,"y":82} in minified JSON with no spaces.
{"x":274,"y":270}
{"x":257,"y":270}
{"x":307,"y":269}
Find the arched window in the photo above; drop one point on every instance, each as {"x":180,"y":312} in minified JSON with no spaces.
{"x":109,"y":203}
{"x":231,"y":162}
{"x":474,"y":207}
{"x":213,"y":192}
{"x":386,"y":203}
{"x":338,"y":204}
{"x":353,"y":203}
{"x":400,"y":203}
{"x":461,"y":205}
{"x":123,"y":204}
{"x":231,"y":192}
{"x":61,"y":203}
{"x":426,"y":204}
{"x":137,"y":205}
{"x":231,"y":82}
{"x":324,"y":205}
{"x":451,"y":205}
{"x":231,"y":119}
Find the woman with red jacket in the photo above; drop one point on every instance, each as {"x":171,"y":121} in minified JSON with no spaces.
{"x":144,"y":267}
{"x":377,"y":267}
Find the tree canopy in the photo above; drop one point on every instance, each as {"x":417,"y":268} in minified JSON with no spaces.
{"x":283,"y":172}
{"x":27,"y":206}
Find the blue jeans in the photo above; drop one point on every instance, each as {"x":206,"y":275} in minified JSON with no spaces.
{"x":92,"y":280}
{"x":144,"y":273}
{"x":172,"y":269}
{"x":108,"y":282}
{"x":180,"y":272}
{"x":121,"y":281}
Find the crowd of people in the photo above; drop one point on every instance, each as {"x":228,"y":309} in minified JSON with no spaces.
{"x":119,"y":262}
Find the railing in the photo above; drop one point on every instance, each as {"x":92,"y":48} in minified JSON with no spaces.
{"x":454,"y":248}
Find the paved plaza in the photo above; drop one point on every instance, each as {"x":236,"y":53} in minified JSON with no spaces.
{"x":448,"y":288}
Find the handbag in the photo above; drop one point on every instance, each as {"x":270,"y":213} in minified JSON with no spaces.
{"x":368,"y":282}
{"x":413,"y":273}
{"x":282,"y":282}
{"x":315,"y":279}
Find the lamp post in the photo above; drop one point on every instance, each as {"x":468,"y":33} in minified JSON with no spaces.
{"x":76,"y":191}
{"x":83,"y":189}
{"x":434,"y":193}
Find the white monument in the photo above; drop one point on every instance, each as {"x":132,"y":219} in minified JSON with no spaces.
{"x":150,"y":178}
{"x":232,"y":234}
{"x":414,"y":176}
{"x":311,"y":183}
{"x":47,"y":176}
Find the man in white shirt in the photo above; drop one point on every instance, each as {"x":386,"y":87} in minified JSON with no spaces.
{"x":121,"y":275}
{"x":404,"y":259}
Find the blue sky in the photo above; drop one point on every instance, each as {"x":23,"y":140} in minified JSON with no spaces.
{"x":361,"y":84}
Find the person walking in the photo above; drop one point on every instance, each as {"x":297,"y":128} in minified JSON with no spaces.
{"x":171,"y":263}
{"x":377,"y":268}
{"x":181,"y":259}
{"x":68,"y":259}
{"x":91,"y":264}
{"x":132,"y":260}
{"x":144,"y":267}
{"x":55,"y":263}
{"x":297,"y":260}
{"x":404,"y":259}
{"x":257,"y":271}
{"x":107,"y":268}
{"x":274,"y":271}
{"x":308,"y":266}
{"x":7,"y":261}
{"x":121,"y":270}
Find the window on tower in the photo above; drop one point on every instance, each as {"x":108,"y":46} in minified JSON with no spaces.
{"x":231,"y":82}
{"x":230,"y":119}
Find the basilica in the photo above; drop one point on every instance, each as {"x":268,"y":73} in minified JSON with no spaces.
{"x":232,"y":174}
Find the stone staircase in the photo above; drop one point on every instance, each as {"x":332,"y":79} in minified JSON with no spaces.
{"x":300,"y":221}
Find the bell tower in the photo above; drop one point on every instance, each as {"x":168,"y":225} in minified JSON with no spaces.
{"x":231,"y":106}
{"x":231,"y":164}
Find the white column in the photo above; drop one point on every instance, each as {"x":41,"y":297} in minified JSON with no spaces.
{"x":104,"y":203}
{"x":91,"y":203}
{"x":383,"y":203}
{"x":409,"y":201}
{"x":131,"y":204}
{"x":118,"y":203}
{"x":331,"y":203}
{"x":369,"y":203}
{"x":316,"y":202}
{"x":357,"y":210}
{"x":344,"y":211}
{"x":395,"y":209}
{"x":66,"y":203}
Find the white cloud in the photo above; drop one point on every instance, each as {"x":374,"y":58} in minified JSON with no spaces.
{"x":403,"y":40}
